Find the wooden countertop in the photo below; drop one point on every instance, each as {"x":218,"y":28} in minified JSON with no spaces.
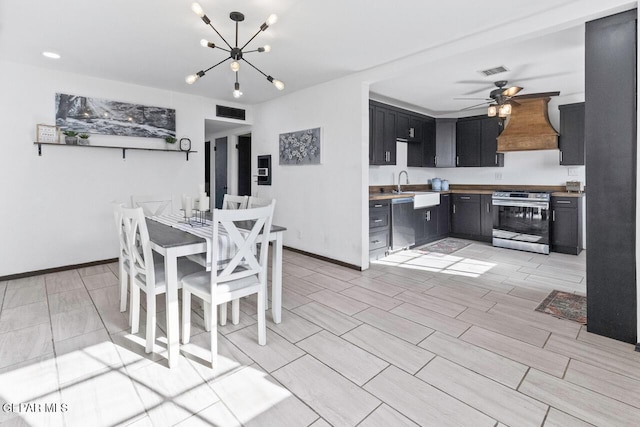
{"x":383,"y":192}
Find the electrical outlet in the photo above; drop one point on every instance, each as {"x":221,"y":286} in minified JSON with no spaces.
{"x":498,"y":176}
{"x":572,"y":171}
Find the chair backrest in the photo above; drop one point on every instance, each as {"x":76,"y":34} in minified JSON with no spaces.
{"x":137,"y":237}
{"x":234,"y":202}
{"x":153,"y":205}
{"x":256,"y":202}
{"x":244,"y":228}
{"x":122,"y":237}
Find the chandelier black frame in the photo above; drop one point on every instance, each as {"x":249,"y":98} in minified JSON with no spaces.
{"x":236,"y":53}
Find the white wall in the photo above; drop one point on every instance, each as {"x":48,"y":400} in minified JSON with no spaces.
{"x":55,"y":208}
{"x":520,"y":168}
{"x":322,"y":206}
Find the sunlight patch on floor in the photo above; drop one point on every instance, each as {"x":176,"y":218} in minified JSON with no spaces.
{"x":436,"y":262}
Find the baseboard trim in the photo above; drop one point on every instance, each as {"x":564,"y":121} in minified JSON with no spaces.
{"x":324,"y":258}
{"x":56,"y":269}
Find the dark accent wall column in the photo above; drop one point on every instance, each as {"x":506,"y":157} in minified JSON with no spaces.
{"x":610,"y":139}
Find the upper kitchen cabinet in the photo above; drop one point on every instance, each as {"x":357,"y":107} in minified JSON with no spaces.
{"x":446,"y":143}
{"x":382,"y":134}
{"x":421,"y":149}
{"x":476,"y":142}
{"x":571,"y":139}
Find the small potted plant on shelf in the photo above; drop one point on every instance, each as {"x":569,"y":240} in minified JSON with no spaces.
{"x":84,"y":139}
{"x":71,"y":137}
{"x":170,"y":140}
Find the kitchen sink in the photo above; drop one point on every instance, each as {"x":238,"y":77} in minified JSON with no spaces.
{"x":422,"y":199}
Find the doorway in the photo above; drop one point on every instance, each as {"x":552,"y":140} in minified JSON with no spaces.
{"x":221,"y":186}
{"x":244,"y":165}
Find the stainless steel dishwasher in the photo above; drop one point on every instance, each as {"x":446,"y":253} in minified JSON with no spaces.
{"x":403,"y":234}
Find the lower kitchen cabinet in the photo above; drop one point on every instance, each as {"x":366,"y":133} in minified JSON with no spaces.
{"x":425,"y":224}
{"x":444,"y":215}
{"x":486,"y":217}
{"x":566,"y":225}
{"x":379,"y":228}
{"x":465,"y":215}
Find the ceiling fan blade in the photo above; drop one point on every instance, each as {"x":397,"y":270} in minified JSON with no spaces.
{"x":475,"y":106}
{"x":537,"y":95}
{"x":484,"y":89}
{"x":513,"y":102}
{"x":473,"y":99}
{"x":511,"y":91}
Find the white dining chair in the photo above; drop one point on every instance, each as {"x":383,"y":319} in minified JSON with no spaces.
{"x":245,"y":274}
{"x":230,"y":201}
{"x":147,"y":274}
{"x":124,"y":255}
{"x":256,"y":202}
{"x":153,"y":205}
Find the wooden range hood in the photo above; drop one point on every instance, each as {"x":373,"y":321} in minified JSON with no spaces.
{"x":528,"y":127}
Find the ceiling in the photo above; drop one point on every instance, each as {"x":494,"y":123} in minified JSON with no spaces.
{"x":156,"y":44}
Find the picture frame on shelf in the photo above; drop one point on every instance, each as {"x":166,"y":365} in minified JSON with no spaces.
{"x":48,"y":133}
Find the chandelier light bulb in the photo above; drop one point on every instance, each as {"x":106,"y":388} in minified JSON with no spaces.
{"x":204,"y":42}
{"x":492,"y":111}
{"x":267,"y":48}
{"x":272,"y":19}
{"x":191,"y":79}
{"x":278,"y":84}
{"x":235,"y":66}
{"x":197,"y":9}
{"x":236,"y":91}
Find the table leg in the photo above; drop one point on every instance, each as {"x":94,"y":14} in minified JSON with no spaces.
{"x":276,"y":280}
{"x":173,"y":321}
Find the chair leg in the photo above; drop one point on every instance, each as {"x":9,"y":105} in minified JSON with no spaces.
{"x":262,"y":323}
{"x":135,"y":309}
{"x":235,"y":311}
{"x":124,"y":278}
{"x":186,"y":316}
{"x":223,"y":314}
{"x":206,"y":307}
{"x":214,"y":335}
{"x":151,"y":320}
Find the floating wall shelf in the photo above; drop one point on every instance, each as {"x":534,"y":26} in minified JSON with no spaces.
{"x":124,"y":149}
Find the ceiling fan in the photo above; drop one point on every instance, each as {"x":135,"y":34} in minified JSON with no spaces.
{"x":503,"y":97}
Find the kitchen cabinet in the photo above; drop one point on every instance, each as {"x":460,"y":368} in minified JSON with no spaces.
{"x":444,"y":215}
{"x":379,"y":228}
{"x":465,"y":215}
{"x":566,"y":225}
{"x":476,"y":142}
{"x":571,"y":139}
{"x":382,"y":134}
{"x":402,"y":126}
{"x":486,"y":217}
{"x":446,"y":143}
{"x":425,"y":224}
{"x":611,"y":167}
{"x":421,"y":150}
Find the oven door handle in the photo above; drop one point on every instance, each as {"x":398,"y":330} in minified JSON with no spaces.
{"x":521,"y":204}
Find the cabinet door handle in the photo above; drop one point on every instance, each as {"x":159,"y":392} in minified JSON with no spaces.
{"x":377,"y":206}
{"x":428,"y":216}
{"x":454,"y":208}
{"x":496,"y":163}
{"x":553,"y":215}
{"x":563,"y":202}
{"x":377,"y":220}
{"x":488,"y":210}
{"x":465,"y":197}
{"x":560,"y":156}
{"x":375,"y":241}
{"x":457,"y":160}
{"x":435,"y":160}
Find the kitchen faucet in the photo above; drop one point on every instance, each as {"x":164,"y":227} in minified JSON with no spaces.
{"x":407,"y":175}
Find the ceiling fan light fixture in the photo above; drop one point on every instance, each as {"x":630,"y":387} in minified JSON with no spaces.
{"x":235,"y":66}
{"x":492,"y":111}
{"x":236,"y":90}
{"x":511,"y":91}
{"x":504,"y":110}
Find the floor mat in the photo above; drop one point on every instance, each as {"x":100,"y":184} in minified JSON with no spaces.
{"x":565,"y":306}
{"x":444,"y":246}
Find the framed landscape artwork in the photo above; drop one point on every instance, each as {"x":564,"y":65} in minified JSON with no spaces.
{"x":101,"y":116}
{"x":300,"y":148}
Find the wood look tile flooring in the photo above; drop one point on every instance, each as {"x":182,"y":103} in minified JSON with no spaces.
{"x":417,"y":339}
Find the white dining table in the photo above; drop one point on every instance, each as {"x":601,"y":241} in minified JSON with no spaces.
{"x":173,"y":243}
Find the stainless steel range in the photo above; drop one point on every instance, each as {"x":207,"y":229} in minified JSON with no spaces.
{"x":521,"y":220}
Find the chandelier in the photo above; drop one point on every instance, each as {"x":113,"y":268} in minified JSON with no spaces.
{"x":236,"y":54}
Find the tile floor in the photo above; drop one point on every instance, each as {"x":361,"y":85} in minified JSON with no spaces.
{"x":428,"y":339}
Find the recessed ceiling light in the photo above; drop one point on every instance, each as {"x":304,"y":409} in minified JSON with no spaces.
{"x":51,"y":55}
